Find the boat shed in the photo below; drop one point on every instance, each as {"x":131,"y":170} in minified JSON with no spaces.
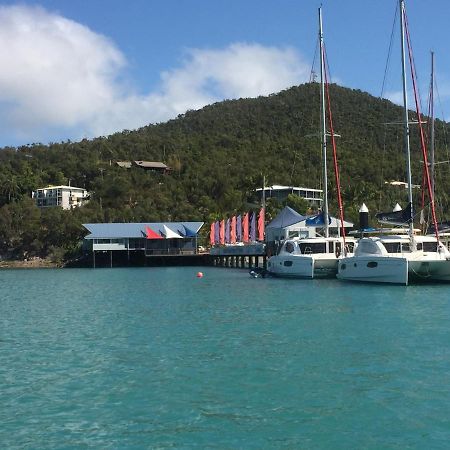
{"x":143,"y":239}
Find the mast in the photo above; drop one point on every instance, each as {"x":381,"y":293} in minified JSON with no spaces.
{"x":432,"y":124}
{"x":406,"y":119}
{"x":324,"y":129}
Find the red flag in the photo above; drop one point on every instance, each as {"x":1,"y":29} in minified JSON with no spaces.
{"x":222,"y":232}
{"x":245,"y":228}
{"x":233,"y":230}
{"x":150,"y":234}
{"x":261,"y":225}
{"x":211,"y":234}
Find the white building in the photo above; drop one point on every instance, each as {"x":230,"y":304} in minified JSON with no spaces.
{"x":66,"y":197}
{"x":290,"y":224}
{"x":312,"y":196}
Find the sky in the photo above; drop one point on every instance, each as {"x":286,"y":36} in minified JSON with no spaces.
{"x":74,"y":69}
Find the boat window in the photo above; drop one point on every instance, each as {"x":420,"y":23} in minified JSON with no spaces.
{"x":343,"y":266}
{"x":289,"y":247}
{"x":429,"y":246}
{"x":372,"y":264}
{"x":338,"y":248}
{"x":312,"y":247}
{"x":350,"y":247}
{"x":392,"y":247}
{"x":288,"y":263}
{"x":419,"y":246}
{"x":406,"y":247}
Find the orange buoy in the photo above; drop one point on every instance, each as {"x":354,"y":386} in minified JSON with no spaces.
{"x":199,"y":274}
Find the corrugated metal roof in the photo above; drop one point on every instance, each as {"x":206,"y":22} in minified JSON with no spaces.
{"x":124,"y":164}
{"x":151,"y":164}
{"x":137,"y":230}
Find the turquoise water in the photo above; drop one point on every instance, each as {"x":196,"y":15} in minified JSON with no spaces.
{"x":158,"y":358}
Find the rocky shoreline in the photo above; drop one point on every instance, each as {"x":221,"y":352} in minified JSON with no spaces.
{"x":32,"y":263}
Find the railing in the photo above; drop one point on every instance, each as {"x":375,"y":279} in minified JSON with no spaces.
{"x":168,"y":252}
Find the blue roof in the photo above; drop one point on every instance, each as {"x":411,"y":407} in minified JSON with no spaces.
{"x":285,"y":218}
{"x":137,"y":230}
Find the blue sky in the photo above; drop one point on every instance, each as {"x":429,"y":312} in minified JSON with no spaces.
{"x":79,"y":68}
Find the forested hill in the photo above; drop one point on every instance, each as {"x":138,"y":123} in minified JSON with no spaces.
{"x":219,"y":155}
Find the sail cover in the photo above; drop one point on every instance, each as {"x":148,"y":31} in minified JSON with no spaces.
{"x":443,"y":227}
{"x":317,"y":220}
{"x":402,"y":217}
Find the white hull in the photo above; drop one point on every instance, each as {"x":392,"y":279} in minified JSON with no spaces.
{"x":396,"y":270}
{"x":302,"y":266}
{"x":374,"y":269}
{"x":429,"y":270}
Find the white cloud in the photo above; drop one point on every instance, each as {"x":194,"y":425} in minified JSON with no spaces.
{"x":395,"y":97}
{"x":61,"y":79}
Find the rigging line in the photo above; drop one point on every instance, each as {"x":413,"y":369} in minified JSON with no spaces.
{"x":428,"y":133}
{"x":312,"y":74}
{"x":389,"y":52}
{"x":422,"y":138}
{"x":414,"y":75}
{"x":382,"y":168}
{"x":335,"y":161}
{"x":327,"y":68}
{"x":444,"y":129}
{"x":386,"y":69}
{"x":445,"y":143}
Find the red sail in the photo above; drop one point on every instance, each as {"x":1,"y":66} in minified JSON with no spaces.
{"x":233,"y":230}
{"x":150,"y":234}
{"x":222,"y":232}
{"x":261,"y":225}
{"x":211,"y":234}
{"x":245,"y":228}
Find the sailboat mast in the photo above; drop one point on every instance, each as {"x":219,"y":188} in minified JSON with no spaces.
{"x":324,"y":129}
{"x":405,"y":116}
{"x":432,"y":124}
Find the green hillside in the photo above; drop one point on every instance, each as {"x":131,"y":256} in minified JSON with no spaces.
{"x":219,"y":155}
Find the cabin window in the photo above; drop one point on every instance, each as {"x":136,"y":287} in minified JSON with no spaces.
{"x":350,"y":246}
{"x":338,"y":248}
{"x":393,"y":247}
{"x":313,"y":247}
{"x":372,"y":264}
{"x":419,"y":246}
{"x":289,"y":247}
{"x":288,"y":263}
{"x":430,"y":246}
{"x":406,"y":248}
{"x":343,"y":266}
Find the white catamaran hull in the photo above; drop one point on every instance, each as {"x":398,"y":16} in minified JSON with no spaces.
{"x":431,"y":270}
{"x":302,"y":266}
{"x":397,"y":270}
{"x":374,"y":269}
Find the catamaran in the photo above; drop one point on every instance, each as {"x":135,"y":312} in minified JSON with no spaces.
{"x":395,"y":257}
{"x":316,"y":256}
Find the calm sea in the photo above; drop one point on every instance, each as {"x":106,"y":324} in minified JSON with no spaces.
{"x":158,"y":358}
